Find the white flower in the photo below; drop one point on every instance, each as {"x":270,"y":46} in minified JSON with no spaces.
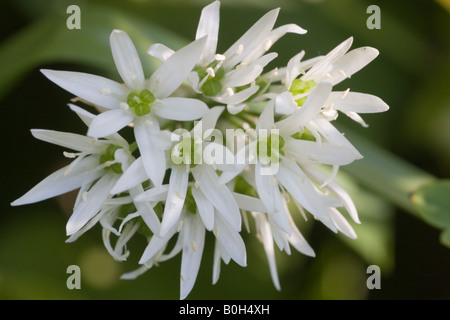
{"x":95,"y":170}
{"x":299,"y":79}
{"x":137,"y":101}
{"x":229,"y":78}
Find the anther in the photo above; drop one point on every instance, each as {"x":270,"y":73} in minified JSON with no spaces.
{"x":220,"y":57}
{"x":211,"y":72}
{"x":124,"y":106}
{"x":342,"y":72}
{"x":344,"y":94}
{"x":329,"y":76}
{"x":194,"y":246}
{"x":84,"y":196}
{"x":70,"y":155}
{"x":240,"y":49}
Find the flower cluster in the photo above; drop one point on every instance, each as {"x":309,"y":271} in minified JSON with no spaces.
{"x":218,"y":140}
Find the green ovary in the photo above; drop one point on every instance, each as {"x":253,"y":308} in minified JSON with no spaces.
{"x":213,"y":85}
{"x":300,"y":87}
{"x":109,"y":156}
{"x":141,"y":103}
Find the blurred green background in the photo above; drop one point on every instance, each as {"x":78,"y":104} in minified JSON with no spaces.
{"x":412,"y":74}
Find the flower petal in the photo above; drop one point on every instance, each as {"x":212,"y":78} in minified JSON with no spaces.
{"x":193,"y":243}
{"x":70,"y":140}
{"x":172,"y":72}
{"x":127,"y":60}
{"x":209,"y":26}
{"x":312,"y":106}
{"x":62,"y":181}
{"x":178,"y":184}
{"x":325,"y":65}
{"x":351,"y":63}
{"x":270,"y":195}
{"x":109,"y":122}
{"x":218,"y":194}
{"x":153,"y":158}
{"x":242,"y":76}
{"x":145,"y":210}
{"x":204,"y":207}
{"x":263,"y":228}
{"x":323,"y":153}
{"x":94,"y":89}
{"x":160,"y":51}
{"x":230,"y":240}
{"x":285,"y":104}
{"x":251,"y":39}
{"x":88,"y":208}
{"x":180,"y":109}
{"x":134,"y":175}
{"x":266,"y":119}
{"x":342,"y":224}
{"x":357,"y":102}
{"x":238,"y":97}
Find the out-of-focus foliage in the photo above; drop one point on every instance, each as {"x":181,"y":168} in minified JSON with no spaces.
{"x":412,"y":74}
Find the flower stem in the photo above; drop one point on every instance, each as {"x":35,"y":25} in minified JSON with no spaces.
{"x":386,"y":174}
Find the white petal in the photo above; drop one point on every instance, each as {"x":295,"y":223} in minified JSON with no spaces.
{"x":59,"y":183}
{"x":342,"y":195}
{"x":71,"y":140}
{"x":241,"y":77}
{"x":285,"y":104}
{"x":84,"y":115}
{"x":134,"y":175}
{"x":238,"y":97}
{"x":299,"y":186}
{"x":89,"y":208}
{"x":267,"y":240}
{"x":230,"y":240}
{"x":154,"y":194}
{"x":155,"y":245}
{"x":298,"y":241}
{"x":235,"y":109}
{"x":351,"y":63}
{"x":270,"y":195}
{"x":251,"y":39}
{"x":171,"y":74}
{"x":153,"y":158}
{"x":180,"y":109}
{"x":178,"y":184}
{"x":357,"y":102}
{"x":127,"y":60}
{"x":109,"y":122}
{"x":219,"y":195}
{"x":266,"y":119}
{"x":341,"y":224}
{"x":324,"y":153}
{"x":204,"y":207}
{"x":94,"y":89}
{"x":332,"y":135}
{"x":325,"y":65}
{"x":145,"y":210}
{"x":272,"y":37}
{"x":209,"y":26}
{"x":193,"y":243}
{"x":293,"y":68}
{"x":249,"y":203}
{"x":312,"y":106}
{"x":208,"y":122}
{"x":160,"y":51}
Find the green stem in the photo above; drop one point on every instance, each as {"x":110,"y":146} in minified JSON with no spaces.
{"x":385,"y":173}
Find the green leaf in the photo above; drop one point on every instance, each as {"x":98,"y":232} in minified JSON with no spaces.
{"x":432,"y":203}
